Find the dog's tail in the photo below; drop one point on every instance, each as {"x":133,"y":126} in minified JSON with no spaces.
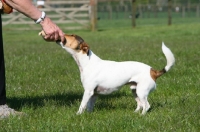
{"x":170,"y":62}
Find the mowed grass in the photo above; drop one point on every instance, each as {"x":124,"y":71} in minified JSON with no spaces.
{"x":43,"y":81}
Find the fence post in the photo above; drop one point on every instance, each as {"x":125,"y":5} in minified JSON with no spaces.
{"x":183,"y":11}
{"x":117,"y":11}
{"x":197,"y":10}
{"x":110,"y":14}
{"x":133,"y":13}
{"x":188,"y":8}
{"x":140,"y":10}
{"x":155,"y":11}
{"x":148,"y":10}
{"x":93,"y":14}
{"x":169,"y":12}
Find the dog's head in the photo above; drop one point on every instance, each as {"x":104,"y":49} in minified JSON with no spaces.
{"x":74,"y":44}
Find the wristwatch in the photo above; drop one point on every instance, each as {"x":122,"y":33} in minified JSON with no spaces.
{"x":41,"y":18}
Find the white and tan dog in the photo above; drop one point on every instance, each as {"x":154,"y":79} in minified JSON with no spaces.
{"x":104,"y":77}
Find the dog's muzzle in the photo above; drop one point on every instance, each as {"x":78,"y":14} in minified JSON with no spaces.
{"x":60,"y":43}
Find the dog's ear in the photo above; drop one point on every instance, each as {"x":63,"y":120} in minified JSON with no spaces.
{"x":79,"y":39}
{"x":84,"y":47}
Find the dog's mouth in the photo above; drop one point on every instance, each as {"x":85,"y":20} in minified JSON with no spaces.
{"x":61,"y":43}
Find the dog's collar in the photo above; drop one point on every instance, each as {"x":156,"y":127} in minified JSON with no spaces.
{"x":88,"y":53}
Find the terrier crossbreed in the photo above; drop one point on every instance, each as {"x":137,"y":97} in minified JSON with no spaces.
{"x":104,"y":77}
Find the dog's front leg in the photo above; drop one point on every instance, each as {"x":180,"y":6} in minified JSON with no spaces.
{"x":86,"y":97}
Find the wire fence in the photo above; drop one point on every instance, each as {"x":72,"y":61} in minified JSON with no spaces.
{"x":120,"y":15}
{"x":147,"y":11}
{"x":121,"y":12}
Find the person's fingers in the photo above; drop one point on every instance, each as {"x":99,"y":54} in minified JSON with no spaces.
{"x":62,"y":36}
{"x":48,"y":36}
{"x":59,"y":35}
{"x":53,"y":32}
{"x":56,"y":37}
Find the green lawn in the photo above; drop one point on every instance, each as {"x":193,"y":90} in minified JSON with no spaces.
{"x":43,"y":80}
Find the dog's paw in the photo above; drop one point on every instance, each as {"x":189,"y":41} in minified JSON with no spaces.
{"x":78,"y":113}
{"x":136,"y":111}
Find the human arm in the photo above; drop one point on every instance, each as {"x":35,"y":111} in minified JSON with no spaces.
{"x":26,"y":7}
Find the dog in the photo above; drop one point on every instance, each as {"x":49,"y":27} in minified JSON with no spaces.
{"x":104,"y":76}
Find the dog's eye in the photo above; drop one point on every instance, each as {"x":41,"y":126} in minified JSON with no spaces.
{"x":78,"y":47}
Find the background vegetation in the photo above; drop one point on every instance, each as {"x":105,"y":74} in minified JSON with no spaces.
{"x":43,"y":80}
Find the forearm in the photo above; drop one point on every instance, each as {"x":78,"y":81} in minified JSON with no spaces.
{"x":26,"y":7}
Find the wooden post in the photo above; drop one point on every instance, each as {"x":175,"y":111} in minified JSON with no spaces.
{"x":110,"y":14}
{"x":155,"y":11}
{"x":140,"y":10}
{"x":93,"y":14}
{"x":188,"y":8}
{"x":133,"y":13}
{"x":197,"y":10}
{"x":169,"y":12}
{"x":183,"y":11}
{"x":117,"y":11}
{"x":148,"y":10}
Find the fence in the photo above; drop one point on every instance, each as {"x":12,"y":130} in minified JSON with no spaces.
{"x":75,"y":14}
{"x":82,"y":14}
{"x":117,"y":11}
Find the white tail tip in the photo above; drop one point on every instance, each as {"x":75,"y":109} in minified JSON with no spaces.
{"x":169,"y":56}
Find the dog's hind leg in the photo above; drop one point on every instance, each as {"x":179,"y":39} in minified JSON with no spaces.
{"x":139,"y":106}
{"x":142,"y":91}
{"x":142,"y":103}
{"x":90,"y":104}
{"x":86,"y":97}
{"x":145,"y":105}
{"x":133,"y":89}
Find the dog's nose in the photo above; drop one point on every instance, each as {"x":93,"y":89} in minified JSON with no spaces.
{"x":65,"y":41}
{"x":59,"y":42}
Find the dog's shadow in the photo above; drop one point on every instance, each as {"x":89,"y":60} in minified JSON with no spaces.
{"x":67,"y":99}
{"x":39,"y":101}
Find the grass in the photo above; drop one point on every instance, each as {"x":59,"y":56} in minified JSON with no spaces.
{"x":43,"y":80}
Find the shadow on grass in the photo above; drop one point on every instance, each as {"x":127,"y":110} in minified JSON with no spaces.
{"x":40,"y":101}
{"x":61,"y":99}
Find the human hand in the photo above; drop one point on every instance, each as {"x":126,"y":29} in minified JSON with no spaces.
{"x":52,"y":31}
{"x":5,"y":8}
